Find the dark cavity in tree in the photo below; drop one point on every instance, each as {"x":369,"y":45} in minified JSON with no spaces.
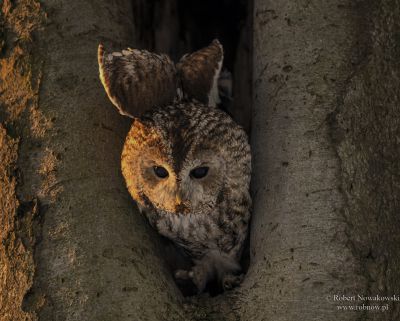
{"x":177,"y":27}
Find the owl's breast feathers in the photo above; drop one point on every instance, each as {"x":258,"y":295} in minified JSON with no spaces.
{"x":223,"y":228}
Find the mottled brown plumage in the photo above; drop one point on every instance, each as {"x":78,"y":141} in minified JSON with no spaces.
{"x":136,"y":79}
{"x":207,"y":215}
{"x":199,"y":73}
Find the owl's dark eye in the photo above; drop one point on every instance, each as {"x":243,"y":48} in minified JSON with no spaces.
{"x":199,"y":172}
{"x":160,"y":171}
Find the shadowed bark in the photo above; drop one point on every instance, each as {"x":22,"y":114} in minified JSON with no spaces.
{"x":366,"y":132}
{"x":300,"y":250}
{"x":324,"y":142}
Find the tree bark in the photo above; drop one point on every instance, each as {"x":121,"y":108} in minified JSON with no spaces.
{"x":96,"y":258}
{"x":366,"y":131}
{"x":299,"y":245}
{"x":325,"y":140}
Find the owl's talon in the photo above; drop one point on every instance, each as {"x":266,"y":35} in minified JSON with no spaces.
{"x":231,"y":281}
{"x":182,"y":275}
{"x":199,"y":277}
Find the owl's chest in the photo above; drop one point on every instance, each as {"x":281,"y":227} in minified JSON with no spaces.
{"x":195,"y":232}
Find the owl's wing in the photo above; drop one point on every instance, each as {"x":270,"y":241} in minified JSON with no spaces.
{"x":199,"y":73}
{"x":137,"y":80}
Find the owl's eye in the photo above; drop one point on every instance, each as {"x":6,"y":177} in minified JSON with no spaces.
{"x":199,"y":172}
{"x":160,"y":171}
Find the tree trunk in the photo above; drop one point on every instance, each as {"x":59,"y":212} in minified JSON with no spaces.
{"x":96,"y":259}
{"x":325,"y":140}
{"x":366,"y":130}
{"x":325,"y":143}
{"x":299,"y":240}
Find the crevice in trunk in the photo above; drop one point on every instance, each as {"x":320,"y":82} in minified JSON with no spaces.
{"x":177,"y":27}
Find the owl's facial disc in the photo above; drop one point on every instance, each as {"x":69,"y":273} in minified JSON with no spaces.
{"x":158,"y":181}
{"x":202,"y":178}
{"x":191,"y":186}
{"x":188,"y":190}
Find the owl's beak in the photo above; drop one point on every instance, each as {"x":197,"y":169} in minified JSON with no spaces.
{"x":180,"y":206}
{"x":178,"y":199}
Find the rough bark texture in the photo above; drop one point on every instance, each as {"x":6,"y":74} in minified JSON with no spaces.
{"x":96,"y":259}
{"x":366,"y":130}
{"x":325,"y":141}
{"x":301,"y":254}
{"x":19,"y":117}
{"x":325,"y":137}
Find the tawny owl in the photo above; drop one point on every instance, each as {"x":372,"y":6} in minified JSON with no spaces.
{"x":186,"y":163}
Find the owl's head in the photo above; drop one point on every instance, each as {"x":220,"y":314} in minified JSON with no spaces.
{"x":185,"y":158}
{"x":181,"y":154}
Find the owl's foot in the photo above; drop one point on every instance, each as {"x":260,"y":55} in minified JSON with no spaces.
{"x":185,"y":283}
{"x":182,"y":275}
{"x":230,"y":281}
{"x":212,"y":267}
{"x":198,"y":275}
